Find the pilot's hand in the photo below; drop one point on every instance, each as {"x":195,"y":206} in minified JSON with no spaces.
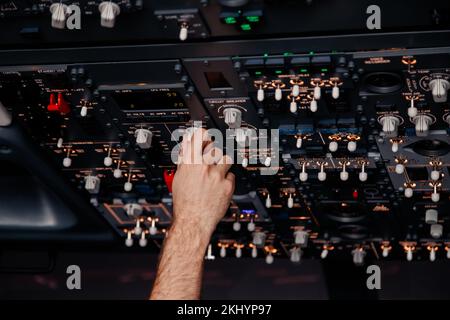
{"x":202,"y":186}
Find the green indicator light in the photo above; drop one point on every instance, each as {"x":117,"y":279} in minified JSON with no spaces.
{"x":266,"y":55}
{"x":303,"y":70}
{"x":311,"y":53}
{"x":258,"y":73}
{"x":230,"y":20}
{"x":278,"y":71}
{"x":252,"y":18}
{"x":324,"y":70}
{"x":287,"y":54}
{"x":246,"y":27}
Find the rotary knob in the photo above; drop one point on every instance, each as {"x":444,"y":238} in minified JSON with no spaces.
{"x":59,"y":15}
{"x":108,"y":13}
{"x":233,"y":117}
{"x":143,"y":138}
{"x":390,"y":125}
{"x":422,"y":123}
{"x":439,"y":88}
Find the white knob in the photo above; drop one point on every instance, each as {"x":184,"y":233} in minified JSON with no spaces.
{"x":83,"y":111}
{"x":313,"y":105}
{"x":303,"y":175}
{"x":259,"y":238}
{"x":129,"y":240}
{"x":107,"y":161}
{"x":238,"y":252}
{"x":409,"y":255}
{"x":223,"y":252}
{"x":324,"y":253}
{"x":317,"y":92}
{"x":333,"y":146}
{"x":138,"y":228}
{"x":128,"y":186}
{"x":435,"y":175}
{"x":293,"y":106}
{"x":390,"y":125}
{"x":233,"y":117}
{"x":351,"y":146}
{"x":412,"y":110}
{"x":153,"y":229}
{"x":254,"y":252}
{"x":409,"y":192}
{"x":335,"y":92}
{"x":344,"y":174}
{"x":236,"y":226}
{"x":385,"y":252}
{"x":363,"y":176}
{"x":108,"y":13}
{"x":117,"y":173}
{"x":183,"y":32}
{"x":358,"y":257}
{"x":399,"y":168}
{"x":432,"y":255}
{"x":278,"y":93}
{"x":260,"y":94}
{"x":299,"y":142}
{"x":251,"y":226}
{"x":295,"y":255}
{"x":245,"y":162}
{"x":301,"y":237}
{"x":422,"y":123}
{"x":59,"y":14}
{"x":67,"y":162}
{"x":295,"y":90}
{"x":269,"y":258}
{"x":143,"y":138}
{"x":436,"y":230}
{"x":290,"y":202}
{"x":267,"y":161}
{"x":268,"y":201}
{"x":60,"y":142}
{"x":92,"y":183}
{"x":322,"y":176}
{"x":435,"y":197}
{"x":439,"y":89}
{"x":394,"y":147}
{"x":143,"y":240}
{"x":241,"y":136}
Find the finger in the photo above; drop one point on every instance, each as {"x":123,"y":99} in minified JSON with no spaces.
{"x":211,"y":154}
{"x":224,"y":164}
{"x":193,"y":149}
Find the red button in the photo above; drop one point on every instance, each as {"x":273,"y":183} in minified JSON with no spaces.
{"x":168,"y":178}
{"x":60,"y":106}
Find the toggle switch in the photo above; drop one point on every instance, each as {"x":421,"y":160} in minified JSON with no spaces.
{"x":138,"y":229}
{"x":303,"y":175}
{"x":363,"y":174}
{"x":409,"y":253}
{"x":268,"y":201}
{"x":153,"y":229}
{"x":301,"y":237}
{"x":269,"y":258}
{"x":83,"y":111}
{"x":107,"y":161}
{"x":293,"y":106}
{"x":67,"y":161}
{"x":143,"y":240}
{"x":317,"y":92}
{"x":412,"y":110}
{"x":435,"y":175}
{"x":236,"y":226}
{"x":295,"y":255}
{"x":432,"y":250}
{"x":251,"y":225}
{"x":295,"y":90}
{"x":299,"y":142}
{"x":389,"y":125}
{"x":278,"y":93}
{"x":244,"y":162}
{"x":184,"y":28}
{"x":254,"y":252}
{"x":238,"y":252}
{"x":351,"y":146}
{"x":322,"y":175}
{"x":267,"y":161}
{"x":324,"y":253}
{"x":129,"y":240}
{"x":260,"y":94}
{"x":358,"y":256}
{"x":313,"y":105}
{"x":344,"y":174}
{"x":128,"y":186}
{"x":59,"y":143}
{"x":290,"y":201}
{"x":335,"y":91}
{"x":223,"y":251}
{"x":409,"y":192}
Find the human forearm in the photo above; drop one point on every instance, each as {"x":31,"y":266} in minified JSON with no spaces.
{"x":180,"y":265}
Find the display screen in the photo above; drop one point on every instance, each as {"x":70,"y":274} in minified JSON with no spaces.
{"x":142,"y":100}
